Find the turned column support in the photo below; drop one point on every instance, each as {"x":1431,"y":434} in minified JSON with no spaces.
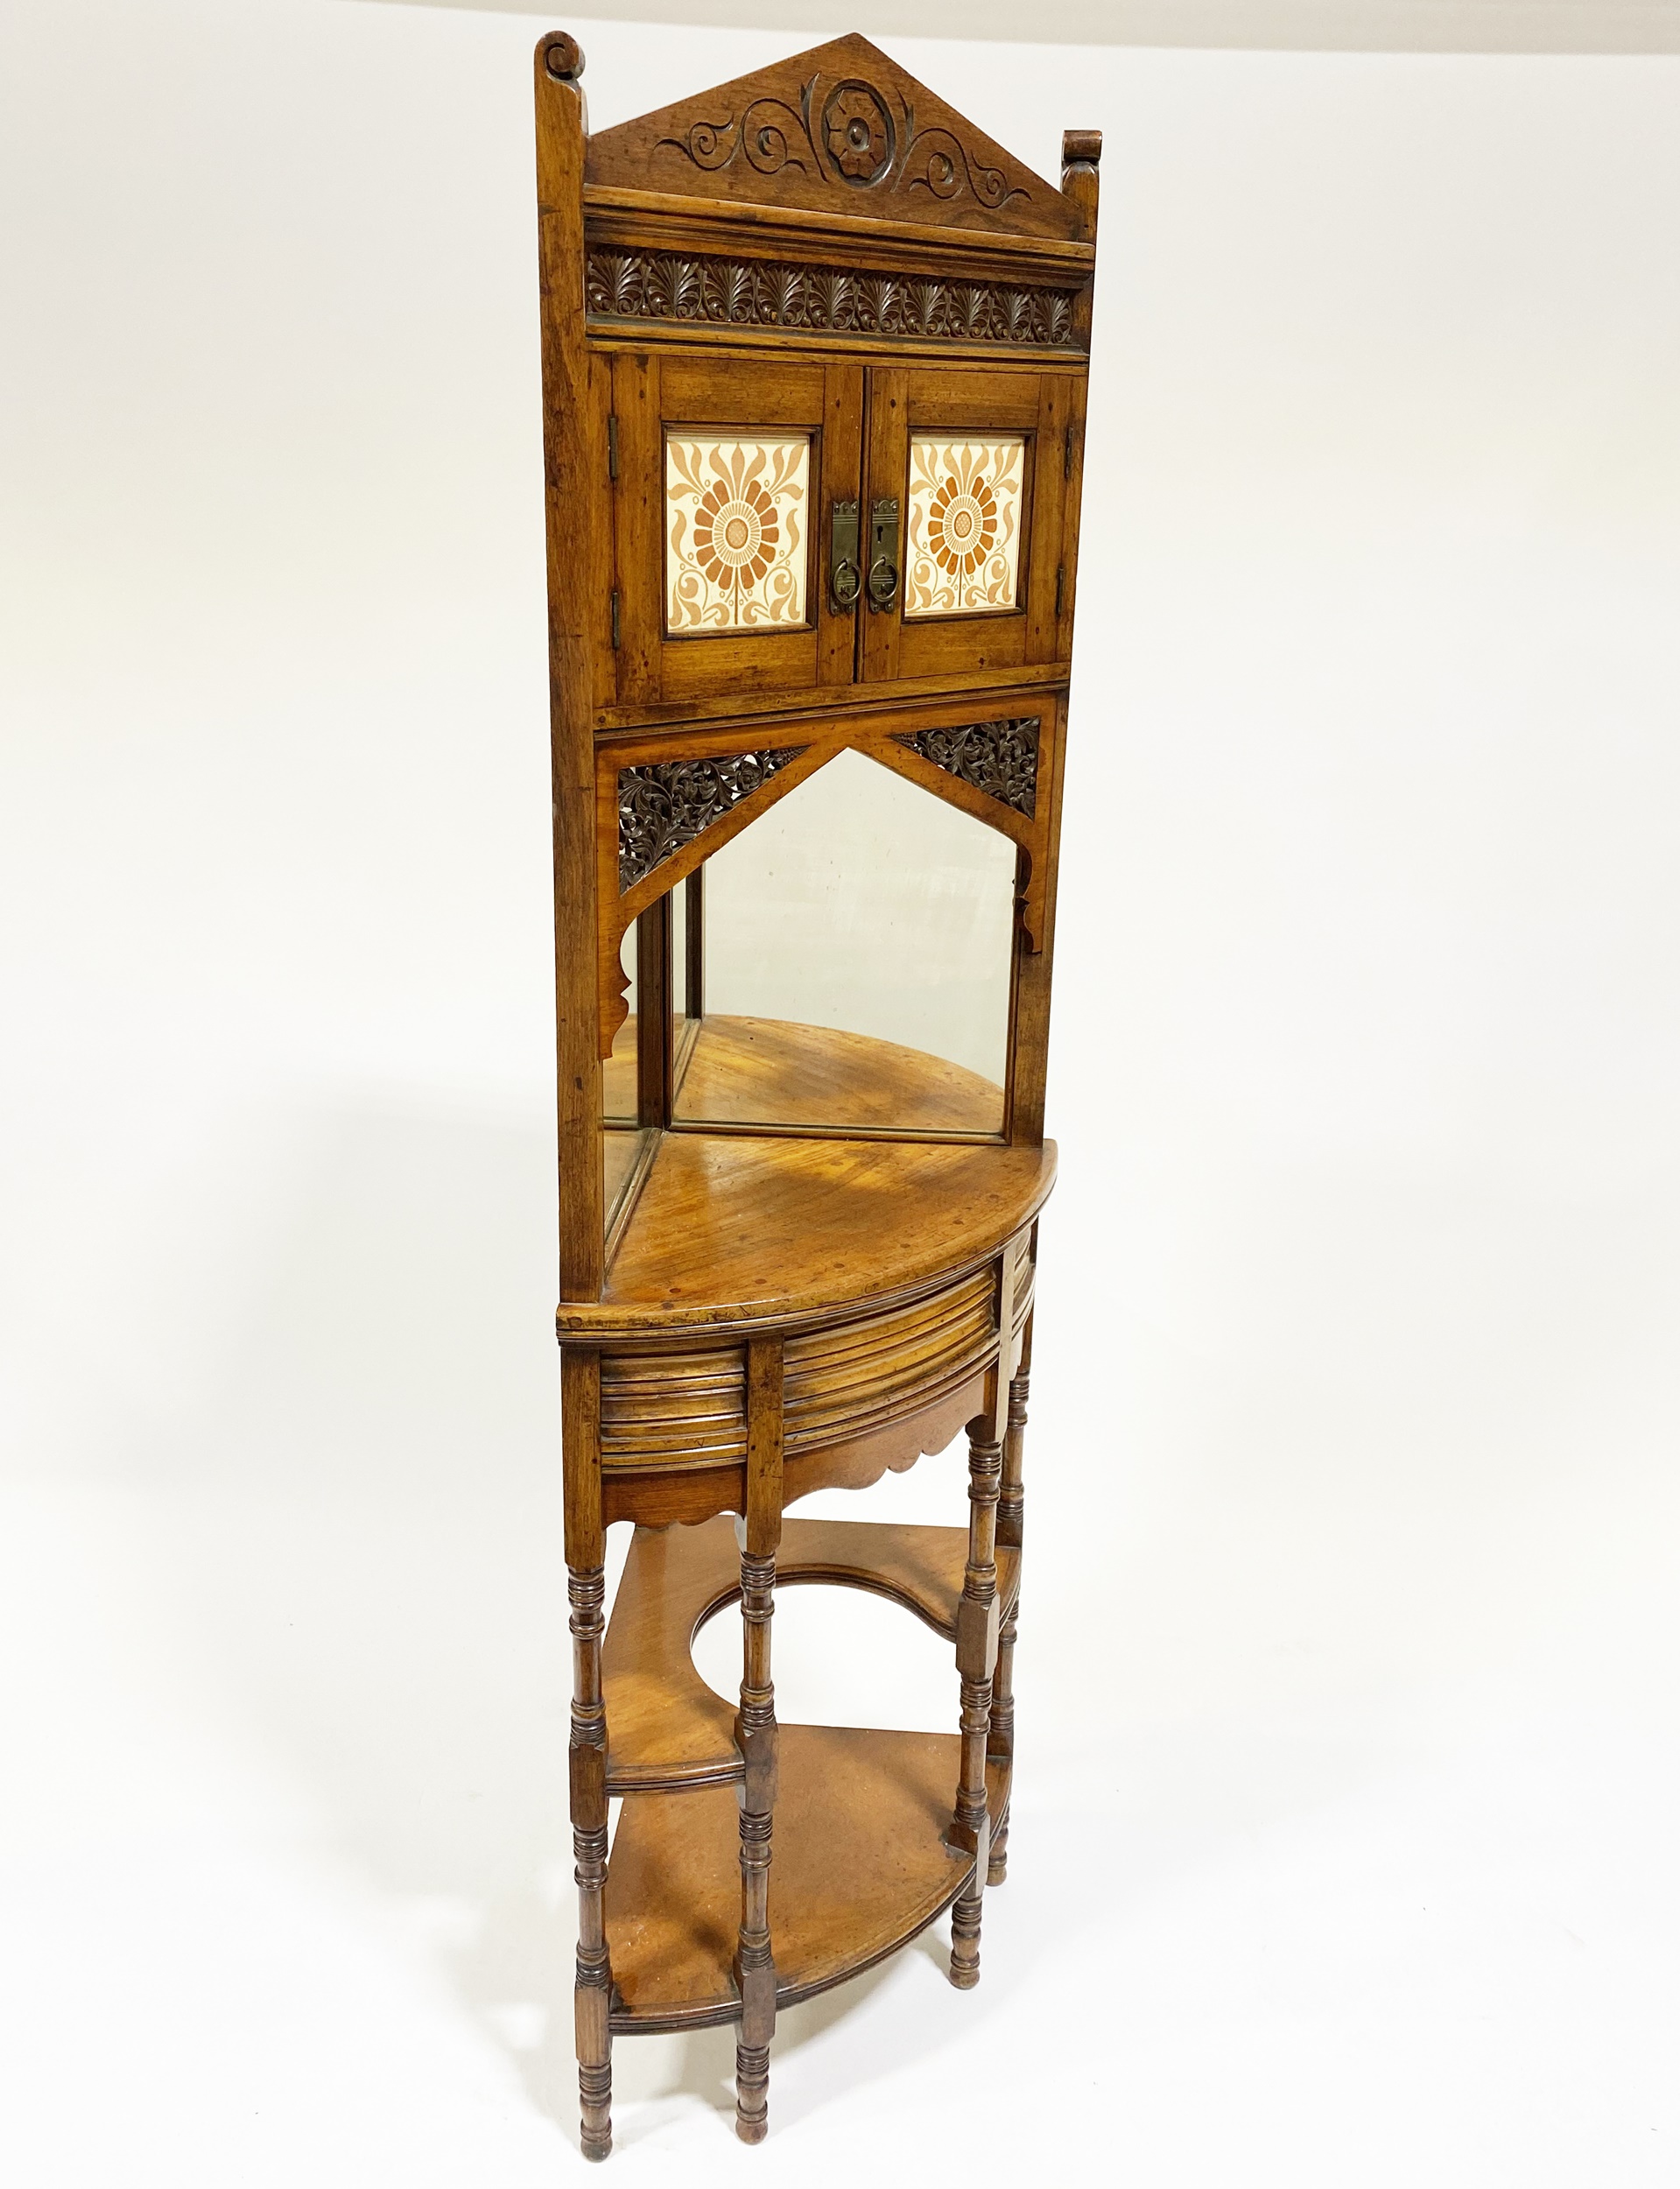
{"x":586,"y":1589}
{"x":759,"y":1532}
{"x":977,"y":1636}
{"x":1000,"y":1742}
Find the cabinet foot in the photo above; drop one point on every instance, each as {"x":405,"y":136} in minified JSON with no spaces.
{"x":997,"y":1862}
{"x":752,"y":2091}
{"x":596,"y":2092}
{"x":964,"y":1940}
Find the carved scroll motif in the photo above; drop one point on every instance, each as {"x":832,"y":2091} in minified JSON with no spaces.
{"x":631,"y":284}
{"x":760,"y":136}
{"x":666,"y":805}
{"x":938,"y":163}
{"x":999,"y":758}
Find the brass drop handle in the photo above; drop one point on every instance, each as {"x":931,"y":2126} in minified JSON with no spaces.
{"x":883,"y":554}
{"x":845,"y":579}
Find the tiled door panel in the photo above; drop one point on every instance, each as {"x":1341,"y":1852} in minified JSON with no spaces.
{"x":727,"y":470}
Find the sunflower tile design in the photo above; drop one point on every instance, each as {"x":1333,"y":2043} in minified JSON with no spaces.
{"x":964,"y":532}
{"x":736,"y":532}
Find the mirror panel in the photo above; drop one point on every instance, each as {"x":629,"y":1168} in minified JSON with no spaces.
{"x":857,"y":970}
{"x":618,"y":1105}
{"x":620,"y":1146}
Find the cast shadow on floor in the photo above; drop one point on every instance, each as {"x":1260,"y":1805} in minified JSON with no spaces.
{"x":659,"y":2080}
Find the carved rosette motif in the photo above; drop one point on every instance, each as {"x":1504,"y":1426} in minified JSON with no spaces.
{"x":640,"y":285}
{"x":666,"y":804}
{"x":999,"y":758}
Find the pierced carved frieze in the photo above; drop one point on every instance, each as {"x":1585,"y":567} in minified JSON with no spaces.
{"x":999,"y":757}
{"x":666,"y":804}
{"x":748,"y":294}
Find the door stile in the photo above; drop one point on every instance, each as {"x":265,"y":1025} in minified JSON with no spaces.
{"x":842,"y":480}
{"x":639,"y":515}
{"x":1047,"y":550}
{"x":886,"y":445}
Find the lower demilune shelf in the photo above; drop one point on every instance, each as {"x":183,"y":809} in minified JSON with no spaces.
{"x":862,"y":1859}
{"x":860,"y":1865}
{"x":665,"y":1728}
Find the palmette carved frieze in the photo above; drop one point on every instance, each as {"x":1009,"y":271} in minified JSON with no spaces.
{"x":666,"y":804}
{"x":751,"y":293}
{"x":999,"y":757}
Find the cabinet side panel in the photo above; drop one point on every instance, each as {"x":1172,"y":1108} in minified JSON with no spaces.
{"x":1033,"y":970}
{"x":579,"y":580}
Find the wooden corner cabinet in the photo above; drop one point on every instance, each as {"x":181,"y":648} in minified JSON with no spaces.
{"x":814,"y":372}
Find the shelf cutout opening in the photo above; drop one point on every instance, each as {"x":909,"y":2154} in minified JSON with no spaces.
{"x":842,"y":1657}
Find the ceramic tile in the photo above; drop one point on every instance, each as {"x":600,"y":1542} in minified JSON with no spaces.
{"x":963,"y":527}
{"x":736,"y":532}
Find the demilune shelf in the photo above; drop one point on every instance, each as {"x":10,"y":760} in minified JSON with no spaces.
{"x":665,"y":1726}
{"x":731,"y":1070}
{"x":858,"y":1867}
{"x":859,"y":1863}
{"x":743,"y":1227}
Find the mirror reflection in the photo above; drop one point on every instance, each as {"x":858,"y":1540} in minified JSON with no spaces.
{"x":850,"y":965}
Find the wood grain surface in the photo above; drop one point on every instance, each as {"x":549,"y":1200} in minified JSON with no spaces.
{"x":841,"y":130}
{"x":745,"y":1232}
{"x":666,"y":1727}
{"x":757,"y":1071}
{"x":860,"y":1867}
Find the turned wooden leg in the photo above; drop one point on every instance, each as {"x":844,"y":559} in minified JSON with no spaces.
{"x":754,"y":1963}
{"x":999,"y":1743}
{"x":587,"y":1587}
{"x":977,"y":1617}
{"x":760,"y":1532}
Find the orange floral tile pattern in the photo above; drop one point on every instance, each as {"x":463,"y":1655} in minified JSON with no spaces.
{"x":736,"y":532}
{"x":963,"y":535}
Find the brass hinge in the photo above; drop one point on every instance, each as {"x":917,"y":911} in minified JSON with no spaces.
{"x":1061,"y":589}
{"x":1067,"y":451}
{"x":616,"y":619}
{"x":612,"y":445}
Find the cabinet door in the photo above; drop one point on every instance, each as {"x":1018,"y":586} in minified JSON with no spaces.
{"x":966,"y":508}
{"x":728,"y":472}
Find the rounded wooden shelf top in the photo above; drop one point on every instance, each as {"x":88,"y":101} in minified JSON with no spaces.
{"x":735,"y":1070}
{"x":754,"y":1071}
{"x":762,"y":1229}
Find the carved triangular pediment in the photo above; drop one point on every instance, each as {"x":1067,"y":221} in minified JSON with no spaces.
{"x":841,"y":130}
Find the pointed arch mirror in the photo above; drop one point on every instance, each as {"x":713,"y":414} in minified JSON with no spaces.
{"x":854,"y":965}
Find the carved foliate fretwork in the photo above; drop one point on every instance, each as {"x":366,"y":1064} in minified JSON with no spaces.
{"x":841,"y":128}
{"x":666,"y":804}
{"x":999,"y":757}
{"x":749,"y":294}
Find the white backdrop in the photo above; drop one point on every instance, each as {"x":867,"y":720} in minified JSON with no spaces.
{"x":1343,"y":1844}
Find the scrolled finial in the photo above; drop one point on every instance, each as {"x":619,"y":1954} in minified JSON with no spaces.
{"x":1081,"y":148}
{"x":563,"y":57}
